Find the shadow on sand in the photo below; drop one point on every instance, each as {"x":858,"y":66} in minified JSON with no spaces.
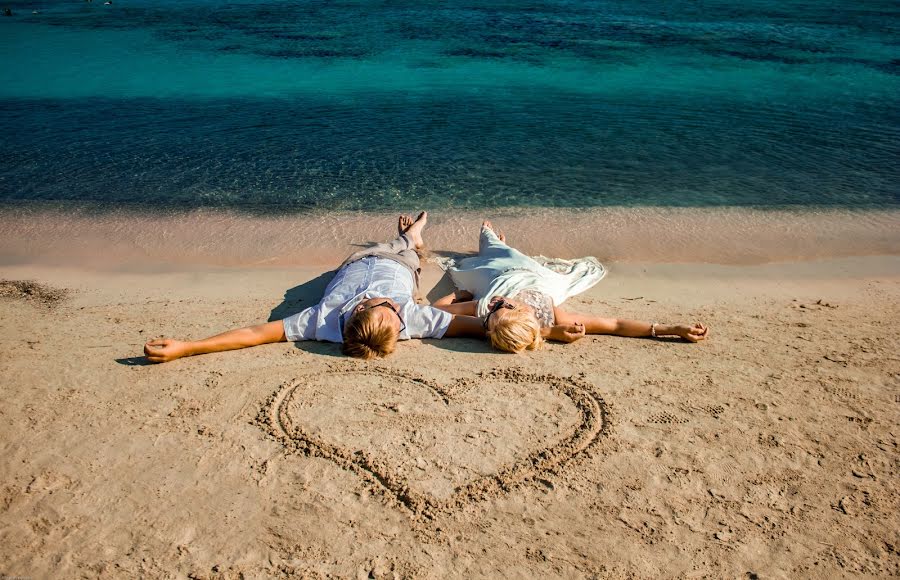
{"x":445,"y":285}
{"x":302,"y":296}
{"x":134,"y":361}
{"x":468,"y":345}
{"x":331,"y":349}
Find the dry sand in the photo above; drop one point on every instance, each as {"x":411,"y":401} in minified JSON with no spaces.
{"x":770,"y":450}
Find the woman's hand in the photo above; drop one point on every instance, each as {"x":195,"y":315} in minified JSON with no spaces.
{"x":162,"y":350}
{"x":694,"y":333}
{"x":567,"y":332}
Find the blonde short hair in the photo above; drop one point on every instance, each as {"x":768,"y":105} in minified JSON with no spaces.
{"x":366,"y":337}
{"x":515,"y":331}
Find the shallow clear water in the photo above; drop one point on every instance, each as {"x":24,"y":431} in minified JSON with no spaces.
{"x":375,"y":105}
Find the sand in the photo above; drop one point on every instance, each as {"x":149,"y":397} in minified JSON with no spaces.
{"x":135,"y":241}
{"x":770,"y":450}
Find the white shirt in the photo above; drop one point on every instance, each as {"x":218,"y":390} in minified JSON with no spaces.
{"x":370,"y":277}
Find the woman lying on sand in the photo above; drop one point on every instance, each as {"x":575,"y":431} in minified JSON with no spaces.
{"x":518,"y":299}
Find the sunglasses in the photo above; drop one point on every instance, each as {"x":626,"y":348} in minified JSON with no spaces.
{"x":497,"y":306}
{"x":391,"y":306}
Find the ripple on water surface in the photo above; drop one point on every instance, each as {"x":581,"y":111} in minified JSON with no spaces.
{"x":304,"y":105}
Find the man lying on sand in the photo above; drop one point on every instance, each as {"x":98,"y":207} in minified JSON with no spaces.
{"x":368,"y":306}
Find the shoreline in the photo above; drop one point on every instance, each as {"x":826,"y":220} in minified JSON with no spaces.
{"x":135,"y":242}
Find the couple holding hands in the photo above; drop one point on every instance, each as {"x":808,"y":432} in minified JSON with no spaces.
{"x":370,"y":304}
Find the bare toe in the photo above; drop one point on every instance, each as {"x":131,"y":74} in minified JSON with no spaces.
{"x":403,"y":224}
{"x":415,"y":230}
{"x":487,"y":224}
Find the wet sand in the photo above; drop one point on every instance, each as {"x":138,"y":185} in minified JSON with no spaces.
{"x":133,"y":241}
{"x":771,"y":449}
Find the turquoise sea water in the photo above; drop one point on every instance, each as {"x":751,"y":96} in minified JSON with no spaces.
{"x":376,"y":105}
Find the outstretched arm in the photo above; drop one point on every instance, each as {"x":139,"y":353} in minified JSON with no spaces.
{"x":462,"y":325}
{"x":167,"y":349}
{"x":459,"y":302}
{"x":631,"y":328}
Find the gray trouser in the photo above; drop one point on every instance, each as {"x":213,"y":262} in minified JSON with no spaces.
{"x":400,"y":250}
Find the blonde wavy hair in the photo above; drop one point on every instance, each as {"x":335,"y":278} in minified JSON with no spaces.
{"x":515,"y":331}
{"x":366,"y":337}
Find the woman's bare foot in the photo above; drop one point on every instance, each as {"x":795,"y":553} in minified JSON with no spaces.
{"x":487,"y":224}
{"x":403,"y":224}
{"x":415,"y":230}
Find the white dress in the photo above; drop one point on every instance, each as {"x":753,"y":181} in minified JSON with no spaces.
{"x":499,"y":270}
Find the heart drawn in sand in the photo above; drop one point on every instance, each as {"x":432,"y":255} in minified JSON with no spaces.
{"x":437,"y":448}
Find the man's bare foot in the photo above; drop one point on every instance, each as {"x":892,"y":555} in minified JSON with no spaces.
{"x":415,"y":230}
{"x":487,"y":224}
{"x":403,"y":224}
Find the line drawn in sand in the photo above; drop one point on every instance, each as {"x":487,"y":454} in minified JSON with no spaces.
{"x":289,"y":416}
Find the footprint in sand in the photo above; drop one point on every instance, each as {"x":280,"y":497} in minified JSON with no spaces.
{"x":666,"y":418}
{"x":842,"y":392}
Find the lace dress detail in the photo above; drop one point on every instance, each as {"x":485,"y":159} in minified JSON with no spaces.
{"x":542,"y":304}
